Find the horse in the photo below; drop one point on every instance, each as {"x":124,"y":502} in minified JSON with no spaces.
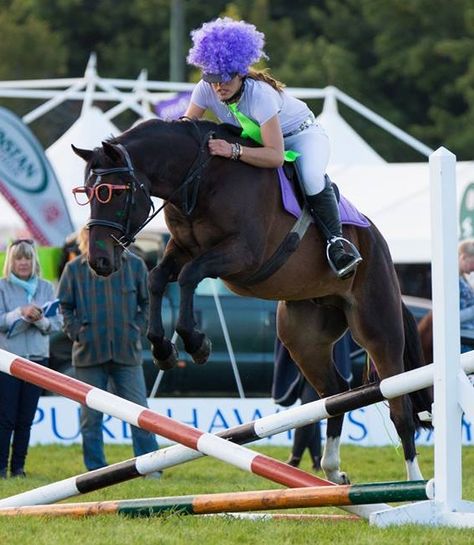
{"x":226,"y":220}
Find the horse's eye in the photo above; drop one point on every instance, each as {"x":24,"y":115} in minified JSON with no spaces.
{"x":118,"y":192}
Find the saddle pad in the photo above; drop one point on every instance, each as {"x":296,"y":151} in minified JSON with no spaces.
{"x":348,"y":212}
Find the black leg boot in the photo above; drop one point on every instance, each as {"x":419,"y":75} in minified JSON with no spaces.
{"x":325,"y":211}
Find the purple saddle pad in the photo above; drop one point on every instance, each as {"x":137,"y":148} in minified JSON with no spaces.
{"x":349,"y":213}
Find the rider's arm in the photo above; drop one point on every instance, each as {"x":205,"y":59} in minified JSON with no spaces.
{"x":270,"y":155}
{"x":194,"y":111}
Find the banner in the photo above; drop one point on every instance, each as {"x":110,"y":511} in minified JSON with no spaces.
{"x":57,"y":421}
{"x":28,"y":182}
{"x":173,"y":108}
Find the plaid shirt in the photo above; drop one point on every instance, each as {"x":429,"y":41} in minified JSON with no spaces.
{"x":105,"y":316}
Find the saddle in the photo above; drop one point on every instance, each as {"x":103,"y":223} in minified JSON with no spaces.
{"x":293,"y":198}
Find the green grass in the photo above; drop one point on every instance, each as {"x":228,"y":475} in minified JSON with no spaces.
{"x":50,"y":463}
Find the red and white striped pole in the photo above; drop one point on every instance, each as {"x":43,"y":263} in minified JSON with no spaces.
{"x":136,"y":415}
{"x":269,"y":425}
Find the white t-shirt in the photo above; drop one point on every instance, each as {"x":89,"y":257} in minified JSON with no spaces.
{"x":259,"y":102}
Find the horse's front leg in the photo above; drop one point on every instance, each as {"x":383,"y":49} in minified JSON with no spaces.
{"x":165,"y":355}
{"x":224,"y":259}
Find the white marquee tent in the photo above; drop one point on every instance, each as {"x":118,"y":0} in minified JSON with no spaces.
{"x":395,"y":196}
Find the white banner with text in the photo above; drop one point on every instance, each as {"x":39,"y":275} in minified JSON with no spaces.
{"x":57,"y":421}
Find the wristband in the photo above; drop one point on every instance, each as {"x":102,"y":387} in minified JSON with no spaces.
{"x":236,"y":151}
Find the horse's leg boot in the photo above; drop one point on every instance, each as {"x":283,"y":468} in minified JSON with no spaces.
{"x":325,"y":211}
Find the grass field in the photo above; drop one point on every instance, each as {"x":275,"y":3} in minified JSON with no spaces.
{"x":47,"y":464}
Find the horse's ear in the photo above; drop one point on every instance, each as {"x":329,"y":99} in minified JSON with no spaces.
{"x":85,"y":154}
{"x":112,"y":151}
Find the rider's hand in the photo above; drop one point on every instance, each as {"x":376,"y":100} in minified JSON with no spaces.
{"x":220,"y":147}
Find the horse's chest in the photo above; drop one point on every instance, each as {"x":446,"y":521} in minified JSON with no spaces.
{"x":200,"y":238}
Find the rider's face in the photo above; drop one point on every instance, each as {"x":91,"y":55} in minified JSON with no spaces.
{"x":227,"y":89}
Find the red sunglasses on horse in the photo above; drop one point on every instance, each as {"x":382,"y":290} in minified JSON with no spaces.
{"x":102,"y":192}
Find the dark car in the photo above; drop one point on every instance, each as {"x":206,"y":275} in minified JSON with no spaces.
{"x":242,"y":328}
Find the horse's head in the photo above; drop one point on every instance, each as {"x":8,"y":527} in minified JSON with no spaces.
{"x":119,"y":199}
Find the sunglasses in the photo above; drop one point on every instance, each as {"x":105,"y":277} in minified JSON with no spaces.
{"x":102,"y":192}
{"x":29,"y":241}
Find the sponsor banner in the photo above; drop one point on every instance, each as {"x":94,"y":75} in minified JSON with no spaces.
{"x":173,"y":108}
{"x":57,"y":421}
{"x":29,"y":184}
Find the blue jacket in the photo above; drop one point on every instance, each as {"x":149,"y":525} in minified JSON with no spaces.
{"x":26,"y":339}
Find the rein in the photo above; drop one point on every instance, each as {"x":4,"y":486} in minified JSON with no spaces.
{"x":190,"y":190}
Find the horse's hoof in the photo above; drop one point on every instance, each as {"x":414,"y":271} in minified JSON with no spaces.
{"x":169,"y":362}
{"x":338,"y":477}
{"x":344,"y":478}
{"x":202,"y":354}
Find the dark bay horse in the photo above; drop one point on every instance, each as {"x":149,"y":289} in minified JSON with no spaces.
{"x":226,"y":220}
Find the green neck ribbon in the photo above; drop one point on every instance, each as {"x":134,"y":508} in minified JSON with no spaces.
{"x":252,"y":130}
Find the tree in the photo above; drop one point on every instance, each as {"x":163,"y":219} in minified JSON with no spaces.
{"x":30,"y":49}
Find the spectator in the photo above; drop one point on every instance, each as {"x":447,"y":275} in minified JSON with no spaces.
{"x":289,"y":385}
{"x":466,"y":303}
{"x":69,"y":251}
{"x":466,"y":292}
{"x":24,"y":331}
{"x":105,"y":318}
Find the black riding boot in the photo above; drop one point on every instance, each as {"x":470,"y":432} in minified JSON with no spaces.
{"x":325,"y":211}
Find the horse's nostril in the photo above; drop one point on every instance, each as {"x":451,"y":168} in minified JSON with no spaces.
{"x":102,"y":266}
{"x":103,"y":263}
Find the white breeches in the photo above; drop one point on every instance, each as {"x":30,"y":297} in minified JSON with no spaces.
{"x":313,"y":144}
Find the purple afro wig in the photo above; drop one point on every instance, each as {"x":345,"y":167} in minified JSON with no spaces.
{"x":225,"y":47}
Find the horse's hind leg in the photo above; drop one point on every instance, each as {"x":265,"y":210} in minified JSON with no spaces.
{"x":309,"y":331}
{"x":384,"y":340}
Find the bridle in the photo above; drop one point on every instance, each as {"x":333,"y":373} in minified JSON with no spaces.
{"x":188,"y":188}
{"x":133,"y":185}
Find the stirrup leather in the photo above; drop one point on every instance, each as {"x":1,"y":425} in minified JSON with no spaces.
{"x":357,"y":258}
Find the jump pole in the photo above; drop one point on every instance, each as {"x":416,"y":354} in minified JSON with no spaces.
{"x":246,"y":433}
{"x":322,"y":496}
{"x":186,"y":435}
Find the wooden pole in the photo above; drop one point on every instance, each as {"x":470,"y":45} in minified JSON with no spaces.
{"x":320,"y":496}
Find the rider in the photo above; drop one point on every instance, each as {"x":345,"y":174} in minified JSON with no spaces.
{"x":224,"y":50}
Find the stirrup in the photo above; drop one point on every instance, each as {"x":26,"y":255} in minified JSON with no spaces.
{"x":350,"y":268}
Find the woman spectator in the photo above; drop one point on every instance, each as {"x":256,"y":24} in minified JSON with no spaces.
{"x":24,"y":331}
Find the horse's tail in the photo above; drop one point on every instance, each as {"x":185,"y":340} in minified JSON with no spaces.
{"x":412,"y":359}
{"x":425,"y":330}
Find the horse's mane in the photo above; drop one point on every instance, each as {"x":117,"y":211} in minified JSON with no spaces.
{"x":153,"y":127}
